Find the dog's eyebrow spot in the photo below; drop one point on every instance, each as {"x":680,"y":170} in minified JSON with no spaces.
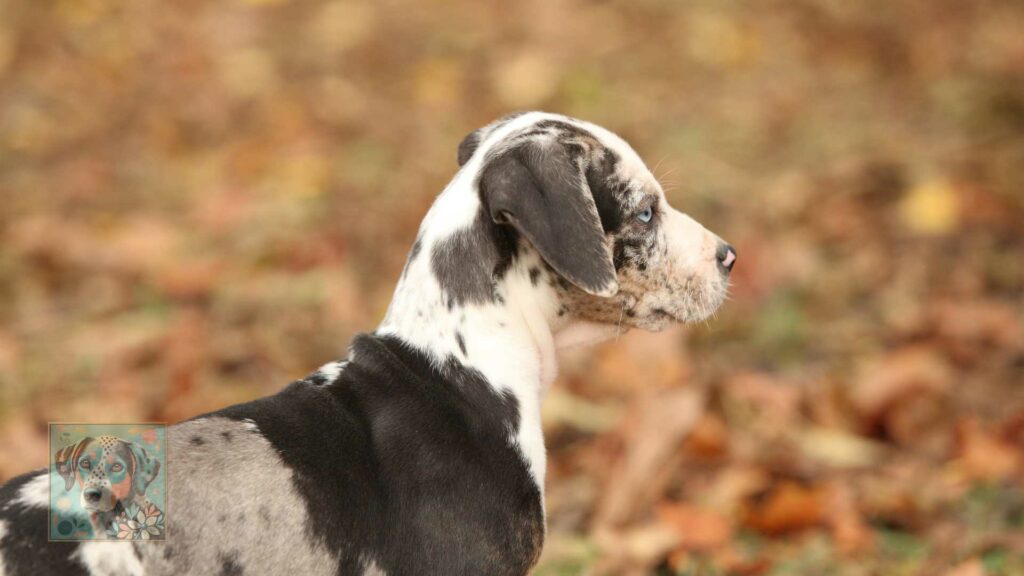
{"x":197,"y":441}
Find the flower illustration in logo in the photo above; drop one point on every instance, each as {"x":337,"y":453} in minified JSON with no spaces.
{"x":145,"y":524}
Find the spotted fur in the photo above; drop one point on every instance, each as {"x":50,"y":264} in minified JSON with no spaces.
{"x":422,"y":452}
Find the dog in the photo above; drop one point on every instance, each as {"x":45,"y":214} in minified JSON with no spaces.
{"x":421,"y":452}
{"x":113,"y":475}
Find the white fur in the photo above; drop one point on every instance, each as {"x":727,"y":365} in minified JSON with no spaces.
{"x":109,"y":559}
{"x":3,"y":533}
{"x":35,"y":493}
{"x":586,"y":333}
{"x":331,"y":370}
{"x":372,"y":569}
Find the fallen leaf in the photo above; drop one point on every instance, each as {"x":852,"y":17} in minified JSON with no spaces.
{"x":971,"y":567}
{"x":838,"y":448}
{"x":660,"y":424}
{"x":786,"y":508}
{"x":931,"y":208}
{"x":699,"y":529}
{"x":984,"y":456}
{"x":849,"y":529}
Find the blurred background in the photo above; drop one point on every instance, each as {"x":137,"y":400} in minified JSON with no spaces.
{"x":201,"y":201}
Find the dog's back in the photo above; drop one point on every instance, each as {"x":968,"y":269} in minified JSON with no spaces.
{"x":385,"y":464}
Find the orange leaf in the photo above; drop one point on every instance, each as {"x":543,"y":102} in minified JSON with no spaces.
{"x":700,"y":529}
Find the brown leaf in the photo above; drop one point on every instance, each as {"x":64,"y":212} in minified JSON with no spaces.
{"x":786,"y":508}
{"x":971,"y":567}
{"x":984,"y":456}
{"x":909,"y":371}
{"x":700,"y":529}
{"x":640,"y":361}
{"x":709,"y":438}
{"x":659,"y":426}
{"x":849,"y":530}
{"x":907,"y":394}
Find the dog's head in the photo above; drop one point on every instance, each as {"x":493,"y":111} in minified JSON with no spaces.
{"x":614,"y":249}
{"x":108,"y":469}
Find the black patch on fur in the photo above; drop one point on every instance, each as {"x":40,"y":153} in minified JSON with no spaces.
{"x":469,"y":262}
{"x":229,"y":565}
{"x":472,"y":140}
{"x":628,"y":251}
{"x":316,"y":379}
{"x":608,"y":190}
{"x":226,"y":435}
{"x":468,"y":146}
{"x":460,"y":341}
{"x":196,"y":441}
{"x":25,"y":547}
{"x":539,"y":190}
{"x":408,"y":463}
{"x":534,"y":275}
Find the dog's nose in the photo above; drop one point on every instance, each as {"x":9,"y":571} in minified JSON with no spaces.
{"x":92,"y":495}
{"x":726,"y":256}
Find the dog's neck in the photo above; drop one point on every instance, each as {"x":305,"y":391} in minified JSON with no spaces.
{"x":509,"y":341}
{"x":471,"y":293}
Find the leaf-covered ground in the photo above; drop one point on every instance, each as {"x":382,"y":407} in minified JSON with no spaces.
{"x":200,"y":201}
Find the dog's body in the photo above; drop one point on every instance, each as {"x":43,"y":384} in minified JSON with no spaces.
{"x":422,"y":451}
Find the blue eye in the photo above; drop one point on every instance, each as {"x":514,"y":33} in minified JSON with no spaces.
{"x":646,"y":215}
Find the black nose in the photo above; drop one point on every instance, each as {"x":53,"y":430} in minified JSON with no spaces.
{"x":726,"y":256}
{"x":92,"y":495}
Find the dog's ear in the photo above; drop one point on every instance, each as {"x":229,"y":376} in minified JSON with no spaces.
{"x":472,"y":140}
{"x":469,"y":144}
{"x":146,"y":468}
{"x":66,"y":461}
{"x":540,"y":188}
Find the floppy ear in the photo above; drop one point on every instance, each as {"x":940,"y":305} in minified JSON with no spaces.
{"x":469,"y":145}
{"x":472,"y":140}
{"x":541,"y":190}
{"x":66,"y":461}
{"x":146,"y":468}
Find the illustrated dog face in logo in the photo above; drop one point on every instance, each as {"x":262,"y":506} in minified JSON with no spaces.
{"x":109,"y":471}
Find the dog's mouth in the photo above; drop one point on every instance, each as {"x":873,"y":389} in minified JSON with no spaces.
{"x":99,"y":507}
{"x":697,"y":307}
